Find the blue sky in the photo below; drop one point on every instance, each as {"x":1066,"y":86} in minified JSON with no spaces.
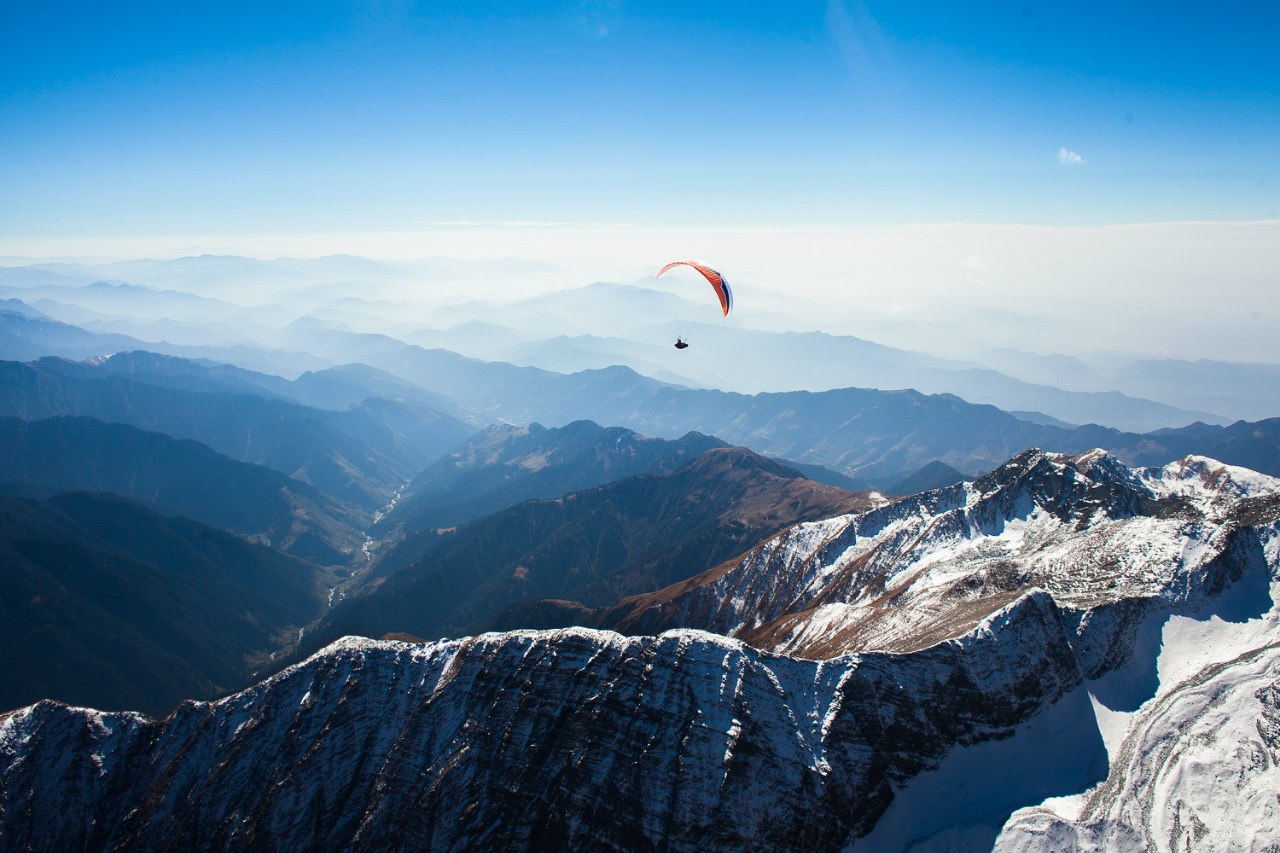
{"x":132,"y":119}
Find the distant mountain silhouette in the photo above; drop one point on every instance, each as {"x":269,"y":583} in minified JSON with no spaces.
{"x":109,"y":604}
{"x":115,"y":297}
{"x":752,"y":360}
{"x":1249,"y":444}
{"x":359,"y":455}
{"x":27,"y":336}
{"x":22,"y":309}
{"x":178,"y":477}
{"x":935,"y":475}
{"x":875,"y":437}
{"x":1243,"y":389}
{"x":336,"y":388}
{"x":347,"y":385}
{"x":185,"y":374}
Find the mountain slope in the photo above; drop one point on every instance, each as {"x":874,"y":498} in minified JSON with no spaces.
{"x":1198,"y":770}
{"x":359,"y":455}
{"x":908,"y":574}
{"x":1170,"y":577}
{"x":347,"y":385}
{"x":1138,"y":712}
{"x":684,"y":742}
{"x":592,"y":545}
{"x":65,"y":454}
{"x":932,"y":476}
{"x":202,"y":375}
{"x":504,"y":465}
{"x":107,"y":603}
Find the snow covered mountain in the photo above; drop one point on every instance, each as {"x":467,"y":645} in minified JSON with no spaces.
{"x":575,"y":739}
{"x":1106,"y":540}
{"x":1067,"y":654}
{"x":1168,"y":577}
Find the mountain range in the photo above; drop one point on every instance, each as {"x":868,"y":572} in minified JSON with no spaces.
{"x":874,"y":437}
{"x":709,"y":599}
{"x":358,"y":455}
{"x":687,"y":742}
{"x":178,"y":477}
{"x":618,"y":324}
{"x":909,"y":574}
{"x":1073,"y":640}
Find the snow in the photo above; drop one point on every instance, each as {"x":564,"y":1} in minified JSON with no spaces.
{"x":1113,"y":725}
{"x":1192,"y":646}
{"x":1207,"y":481}
{"x":822,"y":624}
{"x":1187,"y":764}
{"x":1194,"y":773}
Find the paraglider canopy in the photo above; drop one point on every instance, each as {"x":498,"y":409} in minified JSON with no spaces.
{"x":715,"y":279}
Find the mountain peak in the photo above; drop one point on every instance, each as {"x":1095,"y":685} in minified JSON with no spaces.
{"x":721,"y":460}
{"x":893,"y":577}
{"x":1207,"y":476}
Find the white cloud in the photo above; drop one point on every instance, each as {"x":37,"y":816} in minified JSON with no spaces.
{"x":1069,"y":158}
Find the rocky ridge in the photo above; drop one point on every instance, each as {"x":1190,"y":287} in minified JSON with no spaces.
{"x":569,"y":739}
{"x":1107,"y":541}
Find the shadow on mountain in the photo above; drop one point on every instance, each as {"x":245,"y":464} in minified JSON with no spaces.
{"x":963,"y":804}
{"x":110,"y":605}
{"x":637,"y":534}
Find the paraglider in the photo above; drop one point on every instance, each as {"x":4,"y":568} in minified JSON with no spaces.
{"x":714,"y":278}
